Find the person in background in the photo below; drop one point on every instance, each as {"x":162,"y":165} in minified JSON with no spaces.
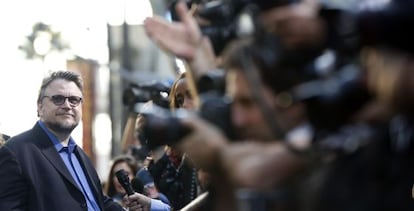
{"x":112,"y":186}
{"x":3,"y":139}
{"x":149,"y":188}
{"x":174,"y":174}
{"x":131,"y":144}
{"x":180,"y":95}
{"x":237,"y":164}
{"x":300,"y":27}
{"x":138,"y":201}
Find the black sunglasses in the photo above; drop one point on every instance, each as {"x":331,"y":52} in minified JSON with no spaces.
{"x":60,"y":100}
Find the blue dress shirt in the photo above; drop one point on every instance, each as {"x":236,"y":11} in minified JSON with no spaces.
{"x":158,"y":205}
{"x":74,"y":167}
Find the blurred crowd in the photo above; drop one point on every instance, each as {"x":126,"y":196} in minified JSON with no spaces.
{"x":296,"y":105}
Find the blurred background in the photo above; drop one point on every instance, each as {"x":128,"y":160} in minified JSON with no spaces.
{"x":102,"y":40}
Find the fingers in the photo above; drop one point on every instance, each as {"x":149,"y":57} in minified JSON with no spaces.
{"x":188,"y":19}
{"x":155,"y":25}
{"x":135,"y":206}
{"x":134,"y":202}
{"x":182,"y":11}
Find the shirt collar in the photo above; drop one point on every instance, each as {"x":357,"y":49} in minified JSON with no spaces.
{"x":59,"y":147}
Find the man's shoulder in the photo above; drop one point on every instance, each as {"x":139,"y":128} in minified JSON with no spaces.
{"x":22,"y":139}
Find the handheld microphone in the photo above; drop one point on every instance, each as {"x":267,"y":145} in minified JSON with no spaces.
{"x":137,"y":185}
{"x":123,"y":179}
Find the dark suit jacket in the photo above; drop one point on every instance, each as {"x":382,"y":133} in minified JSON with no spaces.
{"x":33,"y":177}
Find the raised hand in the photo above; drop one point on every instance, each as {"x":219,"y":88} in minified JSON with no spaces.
{"x":180,"y":38}
{"x":183,"y":39}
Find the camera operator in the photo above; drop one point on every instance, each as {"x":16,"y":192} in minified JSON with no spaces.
{"x":250,"y":124}
{"x":379,"y":176}
{"x":344,"y":26}
{"x":174,"y":174}
{"x":140,"y":95}
{"x":224,"y":152}
{"x":376,"y":175}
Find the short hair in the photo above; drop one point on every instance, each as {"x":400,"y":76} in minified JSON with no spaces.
{"x":66,"y":75}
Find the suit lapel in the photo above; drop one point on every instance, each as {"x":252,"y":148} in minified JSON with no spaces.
{"x":55,"y":159}
{"x":49,"y":151}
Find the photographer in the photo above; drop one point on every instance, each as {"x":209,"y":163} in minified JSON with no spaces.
{"x":251,"y":125}
{"x":140,"y":95}
{"x":210,"y":148}
{"x":378,"y":175}
{"x":344,"y":26}
{"x":174,"y":174}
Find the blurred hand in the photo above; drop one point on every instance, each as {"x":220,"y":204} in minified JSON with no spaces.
{"x":183,"y":39}
{"x":298,"y":25}
{"x":204,"y":144}
{"x":180,"y":38}
{"x":137,"y":202}
{"x":243,"y":164}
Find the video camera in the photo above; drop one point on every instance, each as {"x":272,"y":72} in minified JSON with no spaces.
{"x":331,"y":87}
{"x":229,"y":19}
{"x":140,"y":93}
{"x":162,"y":127}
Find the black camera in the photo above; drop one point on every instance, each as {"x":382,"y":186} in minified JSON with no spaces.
{"x":140,"y":93}
{"x":162,"y":127}
{"x":231,"y":19}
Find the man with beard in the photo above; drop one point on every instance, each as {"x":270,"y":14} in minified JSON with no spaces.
{"x":43,"y":168}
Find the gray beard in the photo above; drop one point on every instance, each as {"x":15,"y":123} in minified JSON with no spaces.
{"x":59,"y":128}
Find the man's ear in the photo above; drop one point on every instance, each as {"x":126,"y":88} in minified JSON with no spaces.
{"x":39,"y":109}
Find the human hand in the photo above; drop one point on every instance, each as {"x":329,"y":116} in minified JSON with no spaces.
{"x":183,"y":39}
{"x":137,"y":202}
{"x":204,"y":144}
{"x":179,"y":38}
{"x":297,"y":25}
{"x":243,"y":164}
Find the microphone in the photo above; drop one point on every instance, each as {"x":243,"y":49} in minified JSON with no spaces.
{"x":137,"y":185}
{"x":123,"y":179}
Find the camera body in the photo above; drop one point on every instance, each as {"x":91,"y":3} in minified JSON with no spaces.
{"x":140,"y":93}
{"x":229,"y":19}
{"x":163,"y":127}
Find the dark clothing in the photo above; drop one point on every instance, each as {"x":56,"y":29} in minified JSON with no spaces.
{"x":34,"y":177}
{"x":390,"y":26}
{"x":178,"y":184}
{"x":377,"y":176}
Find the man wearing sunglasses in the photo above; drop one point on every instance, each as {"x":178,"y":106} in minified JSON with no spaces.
{"x":43,"y":169}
